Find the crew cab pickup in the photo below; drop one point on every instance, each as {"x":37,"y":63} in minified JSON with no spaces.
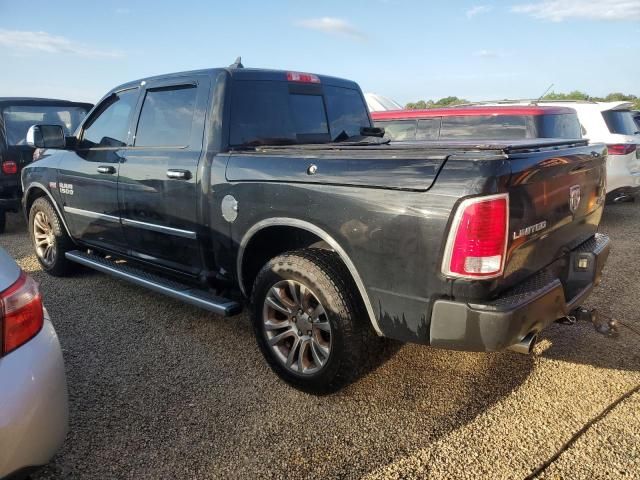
{"x":479,"y":122}
{"x":236,"y":186}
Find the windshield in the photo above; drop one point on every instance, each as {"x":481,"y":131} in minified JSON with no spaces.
{"x":276,"y":113}
{"x":18,"y":119}
{"x":620,"y":121}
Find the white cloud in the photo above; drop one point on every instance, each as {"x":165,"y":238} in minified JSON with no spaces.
{"x":486,"y":54}
{"x":332,"y":26}
{"x":559,"y":10}
{"x":21,"y":41}
{"x":477,"y":10}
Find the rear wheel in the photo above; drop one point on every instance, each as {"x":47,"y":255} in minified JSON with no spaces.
{"x":3,"y":220}
{"x":49,"y":238}
{"x":309,"y":323}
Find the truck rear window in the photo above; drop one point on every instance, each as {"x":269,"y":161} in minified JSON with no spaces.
{"x":267,"y":112}
{"x":17,"y":120}
{"x":620,"y":122}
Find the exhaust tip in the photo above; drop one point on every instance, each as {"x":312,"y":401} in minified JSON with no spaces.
{"x":525,"y":346}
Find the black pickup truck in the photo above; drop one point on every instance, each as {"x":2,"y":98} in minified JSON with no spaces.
{"x":232,"y":185}
{"x":17,"y":114}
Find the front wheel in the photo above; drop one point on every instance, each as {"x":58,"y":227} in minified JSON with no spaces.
{"x":49,"y":238}
{"x":309,"y":322}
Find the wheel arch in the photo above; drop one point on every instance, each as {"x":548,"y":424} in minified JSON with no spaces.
{"x":37,"y":190}
{"x":322,"y":240}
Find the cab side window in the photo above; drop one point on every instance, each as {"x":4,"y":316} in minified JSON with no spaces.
{"x":166,"y":117}
{"x":109,"y":128}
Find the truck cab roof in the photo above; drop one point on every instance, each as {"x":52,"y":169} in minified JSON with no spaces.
{"x":243,"y":74}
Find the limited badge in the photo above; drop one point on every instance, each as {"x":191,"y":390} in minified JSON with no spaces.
{"x":574,"y":198}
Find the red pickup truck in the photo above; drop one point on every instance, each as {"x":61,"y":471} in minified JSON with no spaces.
{"x":506,"y":122}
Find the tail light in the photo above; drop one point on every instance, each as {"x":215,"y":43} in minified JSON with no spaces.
{"x":21,"y":313}
{"x":621,"y":148}
{"x":9,"y":167}
{"x":302,"y":77}
{"x":477,"y":243}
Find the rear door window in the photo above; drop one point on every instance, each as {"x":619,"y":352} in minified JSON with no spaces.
{"x":399,"y":130}
{"x":166,"y":117}
{"x":498,"y":127}
{"x":620,"y":122}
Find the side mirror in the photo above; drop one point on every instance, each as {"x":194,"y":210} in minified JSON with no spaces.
{"x":46,"y":136}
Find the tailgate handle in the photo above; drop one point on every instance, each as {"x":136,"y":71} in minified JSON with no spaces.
{"x":179,"y":174}
{"x":106,"y":169}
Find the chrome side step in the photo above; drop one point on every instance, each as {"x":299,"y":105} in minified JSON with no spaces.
{"x":179,"y":291}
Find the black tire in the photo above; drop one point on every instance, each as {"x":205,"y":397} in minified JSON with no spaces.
{"x":59,"y":266}
{"x":3,"y":221}
{"x":352,"y":338}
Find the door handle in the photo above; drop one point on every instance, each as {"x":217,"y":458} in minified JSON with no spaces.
{"x":106,"y":169}
{"x":179,"y":174}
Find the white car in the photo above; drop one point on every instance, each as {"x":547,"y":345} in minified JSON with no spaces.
{"x":379,"y":103}
{"x":612,"y":123}
{"x":33,"y":388}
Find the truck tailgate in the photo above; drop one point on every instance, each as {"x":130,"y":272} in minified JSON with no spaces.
{"x":556,"y":201}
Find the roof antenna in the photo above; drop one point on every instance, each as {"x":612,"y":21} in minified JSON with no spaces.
{"x":237,"y":63}
{"x":545,"y":92}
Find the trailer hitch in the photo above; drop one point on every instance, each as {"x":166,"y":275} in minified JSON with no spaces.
{"x":604,"y":325}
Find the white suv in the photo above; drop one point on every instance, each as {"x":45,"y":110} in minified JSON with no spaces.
{"x":612,"y":123}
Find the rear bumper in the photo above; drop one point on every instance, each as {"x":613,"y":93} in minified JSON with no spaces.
{"x":526,"y":308}
{"x":9,"y":195}
{"x":11,"y":204}
{"x":33,"y":396}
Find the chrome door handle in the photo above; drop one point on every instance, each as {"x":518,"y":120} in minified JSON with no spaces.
{"x":179,"y":174}
{"x":106,"y":169}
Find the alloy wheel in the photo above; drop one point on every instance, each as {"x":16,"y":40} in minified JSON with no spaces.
{"x":44,"y":238}
{"x":297,"y":327}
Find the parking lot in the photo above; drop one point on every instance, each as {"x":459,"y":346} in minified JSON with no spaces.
{"x":159,"y":389}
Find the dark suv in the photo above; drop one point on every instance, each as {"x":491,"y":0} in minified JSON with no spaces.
{"x":16,"y":116}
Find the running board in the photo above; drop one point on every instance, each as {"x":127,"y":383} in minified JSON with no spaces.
{"x":179,"y":291}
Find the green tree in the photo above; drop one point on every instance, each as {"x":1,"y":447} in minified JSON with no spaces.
{"x":574,"y":95}
{"x":443,"y":102}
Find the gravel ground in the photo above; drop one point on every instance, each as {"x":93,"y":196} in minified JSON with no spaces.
{"x":159,"y":389}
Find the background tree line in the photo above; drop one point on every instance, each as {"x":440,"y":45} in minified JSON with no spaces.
{"x":575,"y":95}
